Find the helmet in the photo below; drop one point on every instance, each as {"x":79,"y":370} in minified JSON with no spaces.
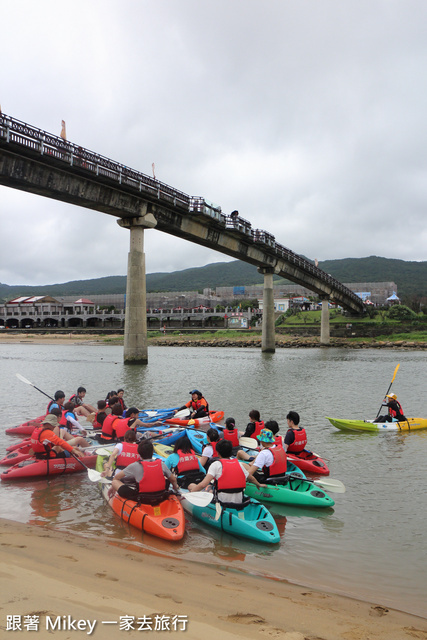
{"x":195,"y":391}
{"x":266,"y":435}
{"x":393,"y":396}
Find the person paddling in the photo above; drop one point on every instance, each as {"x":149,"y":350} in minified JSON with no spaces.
{"x":395,"y":411}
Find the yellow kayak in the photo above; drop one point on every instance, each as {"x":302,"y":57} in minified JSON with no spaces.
{"x":411,"y":424}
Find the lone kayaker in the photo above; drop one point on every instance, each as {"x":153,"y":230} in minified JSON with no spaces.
{"x":145,"y":480}
{"x":296,"y":436}
{"x":198,"y":405}
{"x":395,"y":411}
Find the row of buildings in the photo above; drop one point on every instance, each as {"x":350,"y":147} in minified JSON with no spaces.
{"x":180,"y":309}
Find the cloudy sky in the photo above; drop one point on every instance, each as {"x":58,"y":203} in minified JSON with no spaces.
{"x":308,"y":116}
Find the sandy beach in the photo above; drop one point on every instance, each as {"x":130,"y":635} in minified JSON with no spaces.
{"x":51,"y":580}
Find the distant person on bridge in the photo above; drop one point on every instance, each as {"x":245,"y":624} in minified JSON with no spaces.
{"x":395,"y":411}
{"x":198,"y":405}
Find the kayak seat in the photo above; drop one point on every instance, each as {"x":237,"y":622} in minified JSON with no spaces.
{"x":153,"y":498}
{"x":233,"y":505}
{"x":283,"y":479}
{"x":188,"y":478}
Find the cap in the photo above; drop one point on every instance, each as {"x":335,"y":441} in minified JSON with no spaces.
{"x":51,"y":419}
{"x":265,"y":435}
{"x":195,"y":391}
{"x":393,"y":396}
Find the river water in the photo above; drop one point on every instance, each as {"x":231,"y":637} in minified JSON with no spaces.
{"x":371,"y":545}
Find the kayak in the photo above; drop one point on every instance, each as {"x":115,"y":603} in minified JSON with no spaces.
{"x":309,"y":461}
{"x":34,"y":468}
{"x":411,"y":424}
{"x":165,"y":520}
{"x":214,"y":416}
{"x":26,"y":428}
{"x":20,"y":452}
{"x":253,"y":521}
{"x":156,"y":414}
{"x":297,"y":492}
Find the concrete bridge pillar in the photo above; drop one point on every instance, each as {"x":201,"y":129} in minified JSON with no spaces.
{"x":135,"y":339}
{"x":268,"y":333}
{"x":324,"y":325}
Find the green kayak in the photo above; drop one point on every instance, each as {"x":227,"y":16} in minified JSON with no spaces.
{"x":297,"y":492}
{"x":411,"y":424}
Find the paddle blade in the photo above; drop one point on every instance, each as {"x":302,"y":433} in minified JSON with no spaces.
{"x":184,"y":413}
{"x":94,"y":476}
{"x":394,"y":374}
{"x":330,"y":485}
{"x":103,"y":452}
{"x":218,"y":511}
{"x":22,"y":379}
{"x":199,"y":498}
{"x":249,"y":443}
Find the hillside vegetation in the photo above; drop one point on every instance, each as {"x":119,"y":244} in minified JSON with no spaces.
{"x":410,"y":277}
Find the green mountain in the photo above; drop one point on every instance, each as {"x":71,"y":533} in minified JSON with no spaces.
{"x":410,"y":277}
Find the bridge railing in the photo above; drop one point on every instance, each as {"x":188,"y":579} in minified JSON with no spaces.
{"x":20,"y":133}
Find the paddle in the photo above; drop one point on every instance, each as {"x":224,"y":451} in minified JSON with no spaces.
{"x":94,"y":476}
{"x":388,"y":390}
{"x":249,"y":443}
{"x":198,"y":498}
{"x":22,"y":379}
{"x":334,"y":486}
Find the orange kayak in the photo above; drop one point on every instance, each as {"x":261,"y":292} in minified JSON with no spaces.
{"x":214,"y":416}
{"x":165,"y":520}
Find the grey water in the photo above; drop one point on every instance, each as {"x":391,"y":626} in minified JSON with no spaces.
{"x":371,"y":545}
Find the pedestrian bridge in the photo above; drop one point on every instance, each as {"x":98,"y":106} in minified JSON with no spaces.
{"x":38,"y":162}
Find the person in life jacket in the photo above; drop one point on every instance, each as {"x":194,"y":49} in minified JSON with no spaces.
{"x":69,"y":421}
{"x":273,"y":426}
{"x":82,"y":408}
{"x":198,"y":405}
{"x":108,"y":433}
{"x":254,"y":427}
{"x":209,"y":451}
{"x":395,"y":411}
{"x":296,"y":437}
{"x":145,"y":480}
{"x":120,"y":394}
{"x":46,"y":444}
{"x":228,"y":475}
{"x":271,"y":460}
{"x":131,"y":416}
{"x":184,"y":463}
{"x":100,"y":415}
{"x":123,"y":454}
{"x":57,"y":403}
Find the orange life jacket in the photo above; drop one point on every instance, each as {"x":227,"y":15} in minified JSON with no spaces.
{"x":108,"y":429}
{"x":121,"y":426}
{"x":232,"y":478}
{"x":153,"y":480}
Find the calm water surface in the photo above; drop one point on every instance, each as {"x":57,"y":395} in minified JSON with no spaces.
{"x":371,"y":545}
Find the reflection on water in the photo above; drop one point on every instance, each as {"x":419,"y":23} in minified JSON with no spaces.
{"x":362,"y":547}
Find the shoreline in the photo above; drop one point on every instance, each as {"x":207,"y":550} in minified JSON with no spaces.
{"x":282,"y":342}
{"x":51,"y":574}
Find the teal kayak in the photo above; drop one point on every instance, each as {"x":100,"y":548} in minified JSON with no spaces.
{"x":297,"y":492}
{"x":253,"y":521}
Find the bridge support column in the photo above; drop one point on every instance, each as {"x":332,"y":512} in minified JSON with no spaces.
{"x":268,"y":344}
{"x":324,"y":325}
{"x":135,"y":339}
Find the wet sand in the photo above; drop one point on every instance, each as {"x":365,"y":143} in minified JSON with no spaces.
{"x":52,"y":575}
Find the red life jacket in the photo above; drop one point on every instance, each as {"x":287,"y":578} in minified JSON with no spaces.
{"x":393,"y":412}
{"x":187,"y":462}
{"x":98,"y":416}
{"x":278,"y":441}
{"x":128,"y":455}
{"x":258,"y":426}
{"x":108,"y":429}
{"x":300,"y":441}
{"x":153,"y":479}
{"x":63,"y":420}
{"x":36,"y":445}
{"x":279,"y":466}
{"x":121,"y":426}
{"x":232,"y":478}
{"x":233,"y":436}
{"x":213,"y":445}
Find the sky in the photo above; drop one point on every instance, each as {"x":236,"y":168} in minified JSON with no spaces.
{"x":308,"y":116}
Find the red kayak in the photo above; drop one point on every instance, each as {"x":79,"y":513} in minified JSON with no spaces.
{"x":33,"y":468}
{"x":309,"y":461}
{"x":17,"y":455}
{"x":26,"y":428}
